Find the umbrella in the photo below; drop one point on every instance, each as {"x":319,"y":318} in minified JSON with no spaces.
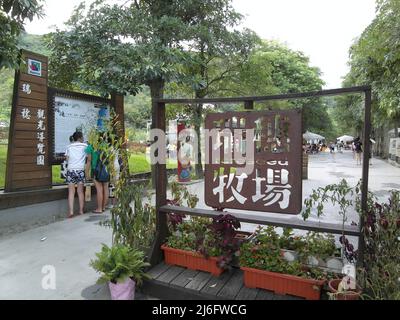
{"x":345,"y":138}
{"x":312,"y":136}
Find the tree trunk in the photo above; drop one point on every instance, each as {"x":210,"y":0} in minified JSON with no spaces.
{"x":156,"y":92}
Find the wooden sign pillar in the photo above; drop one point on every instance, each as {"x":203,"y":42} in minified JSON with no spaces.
{"x":28,"y":165}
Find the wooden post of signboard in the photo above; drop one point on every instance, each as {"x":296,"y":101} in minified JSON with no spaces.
{"x":28,"y":165}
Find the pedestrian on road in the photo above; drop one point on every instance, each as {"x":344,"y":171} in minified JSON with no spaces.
{"x":358,"y":149}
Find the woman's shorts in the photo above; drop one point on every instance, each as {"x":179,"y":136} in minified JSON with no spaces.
{"x":75,"y":176}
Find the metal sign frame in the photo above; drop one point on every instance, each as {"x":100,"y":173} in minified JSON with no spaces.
{"x":158,"y":111}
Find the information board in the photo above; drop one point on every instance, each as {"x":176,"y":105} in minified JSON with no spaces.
{"x":74,"y":112}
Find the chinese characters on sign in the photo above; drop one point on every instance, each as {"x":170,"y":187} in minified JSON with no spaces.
{"x":40,"y":137}
{"x":26,"y":88}
{"x":268,"y":175}
{"x":40,"y":134}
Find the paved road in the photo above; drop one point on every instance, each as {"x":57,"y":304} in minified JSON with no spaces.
{"x":70,"y":244}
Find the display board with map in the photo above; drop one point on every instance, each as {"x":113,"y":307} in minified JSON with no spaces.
{"x":74,"y":112}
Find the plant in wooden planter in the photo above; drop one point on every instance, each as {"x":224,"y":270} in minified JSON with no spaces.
{"x":265,"y":266}
{"x":338,"y":194}
{"x":203,"y":244}
{"x":122,"y":268}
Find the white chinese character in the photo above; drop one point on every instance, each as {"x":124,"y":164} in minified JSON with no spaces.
{"x":40,"y":114}
{"x":236,"y":192}
{"x":274,"y":195}
{"x":40,"y":136}
{"x":40,"y":148}
{"x":40,"y":160}
{"x":26,"y":113}
{"x":40,"y":125}
{"x":26,"y":88}
{"x":277,"y":188}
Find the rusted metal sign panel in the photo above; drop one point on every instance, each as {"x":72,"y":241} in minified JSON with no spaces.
{"x":254,"y":161}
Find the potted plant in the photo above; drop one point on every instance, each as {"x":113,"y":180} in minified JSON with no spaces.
{"x":122,"y":268}
{"x":265,"y":266}
{"x":320,"y":250}
{"x":341,"y":289}
{"x":203,"y":244}
{"x":338,"y":194}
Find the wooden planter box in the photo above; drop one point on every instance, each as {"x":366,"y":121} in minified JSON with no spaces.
{"x":283,"y":283}
{"x":191,"y":260}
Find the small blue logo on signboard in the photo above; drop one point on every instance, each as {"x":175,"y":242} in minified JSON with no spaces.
{"x":34,"y":67}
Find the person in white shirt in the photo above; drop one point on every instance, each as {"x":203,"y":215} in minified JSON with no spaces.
{"x":76,"y":159}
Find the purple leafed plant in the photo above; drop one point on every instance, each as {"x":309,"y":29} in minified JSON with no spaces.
{"x":224,"y":227}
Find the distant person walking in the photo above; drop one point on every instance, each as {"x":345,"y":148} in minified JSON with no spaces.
{"x":358,"y":149}
{"x":332,"y":147}
{"x":75,"y":157}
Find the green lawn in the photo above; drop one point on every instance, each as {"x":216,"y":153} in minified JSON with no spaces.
{"x":3,"y":159}
{"x":137,"y":164}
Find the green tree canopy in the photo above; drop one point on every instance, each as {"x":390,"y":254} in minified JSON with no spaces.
{"x":13,"y":14}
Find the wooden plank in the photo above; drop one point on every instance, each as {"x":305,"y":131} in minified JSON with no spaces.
{"x":157,"y":270}
{"x":24,"y":159}
{"x":231,"y":289}
{"x":32,"y":175}
{"x":215,"y":284}
{"x":170,"y":274}
{"x":35,"y":95}
{"x":26,"y":168}
{"x":22,"y":184}
{"x":39,"y":103}
{"x":199,"y":281}
{"x":27,"y":78}
{"x":25,"y":143}
{"x":247,"y":294}
{"x":184,"y":278}
{"x":286,"y":297}
{"x":277,"y":221}
{"x":264,"y":295}
{"x":25,"y":151}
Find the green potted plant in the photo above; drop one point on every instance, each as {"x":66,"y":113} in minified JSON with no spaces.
{"x":122,"y":268}
{"x":340,"y":194}
{"x":203,"y":244}
{"x":265,"y":266}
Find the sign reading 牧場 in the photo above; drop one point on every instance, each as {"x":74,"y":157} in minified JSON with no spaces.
{"x":255,"y":161}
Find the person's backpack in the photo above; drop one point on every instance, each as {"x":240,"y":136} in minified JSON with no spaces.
{"x":100,"y":172}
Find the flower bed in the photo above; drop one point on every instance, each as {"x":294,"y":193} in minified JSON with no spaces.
{"x":191,"y":260}
{"x":267,"y":264}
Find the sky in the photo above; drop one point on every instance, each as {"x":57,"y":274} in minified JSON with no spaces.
{"x":322,"y":29}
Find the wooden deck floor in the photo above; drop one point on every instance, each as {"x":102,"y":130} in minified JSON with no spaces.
{"x":176,"y":283}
